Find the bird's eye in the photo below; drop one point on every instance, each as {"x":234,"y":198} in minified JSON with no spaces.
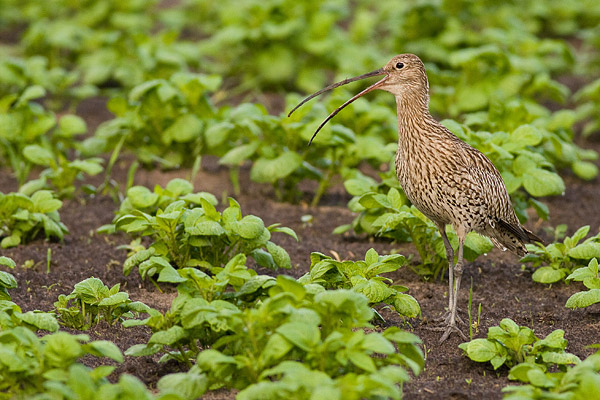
{"x":399,"y":65}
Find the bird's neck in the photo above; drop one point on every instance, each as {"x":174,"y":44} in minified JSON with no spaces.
{"x":414,"y":119}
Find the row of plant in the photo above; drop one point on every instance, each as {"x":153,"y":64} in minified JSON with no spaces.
{"x":105,"y":42}
{"x":244,"y":331}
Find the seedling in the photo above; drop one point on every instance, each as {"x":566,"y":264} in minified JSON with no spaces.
{"x":91,"y":302}
{"x":7,"y":280}
{"x":557,"y":260}
{"x":517,"y":346}
{"x":591,"y":279}
{"x":579,"y":381}
{"x":364,"y":277}
{"x":29,"y":363}
{"x":201,"y":237}
{"x":23,"y":217}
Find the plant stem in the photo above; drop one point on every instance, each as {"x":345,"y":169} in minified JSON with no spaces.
{"x":469,"y":310}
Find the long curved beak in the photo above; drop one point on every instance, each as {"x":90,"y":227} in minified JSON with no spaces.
{"x":374,"y":86}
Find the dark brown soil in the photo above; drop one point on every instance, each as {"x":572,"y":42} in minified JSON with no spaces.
{"x":500,"y":285}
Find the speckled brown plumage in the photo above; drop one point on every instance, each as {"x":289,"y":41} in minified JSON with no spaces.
{"x":449,"y":181}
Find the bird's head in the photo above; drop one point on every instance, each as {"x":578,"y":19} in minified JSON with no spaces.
{"x":402,"y":75}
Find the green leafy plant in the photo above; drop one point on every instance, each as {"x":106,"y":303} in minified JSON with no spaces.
{"x":587,"y":111}
{"x":91,"y":302}
{"x":18,"y":73}
{"x":163,"y":121}
{"x":200,"y":237}
{"x":31,"y":135}
{"x":140,"y":198}
{"x":523,"y":129}
{"x":276,"y":146}
{"x":204,"y":310}
{"x":364,"y":277}
{"x":555,"y":261}
{"x":60,"y":174}
{"x":591,"y":279}
{"x":299,"y":331}
{"x":12,"y":316}
{"x":23,"y":217}
{"x":579,"y":381}
{"x":29,"y":363}
{"x":82,"y":382}
{"x":7,"y":280}
{"x":519,"y":349}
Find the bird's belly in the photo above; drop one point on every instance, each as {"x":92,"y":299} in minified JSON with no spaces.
{"x":441,"y":202}
{"x":426,"y":199}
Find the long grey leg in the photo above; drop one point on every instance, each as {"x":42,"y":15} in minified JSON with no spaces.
{"x":458,"y":269}
{"x":450,"y":257}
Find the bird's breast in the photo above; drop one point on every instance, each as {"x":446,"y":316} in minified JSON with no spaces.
{"x":439,"y":187}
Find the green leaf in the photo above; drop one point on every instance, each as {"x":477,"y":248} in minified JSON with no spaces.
{"x":481,"y":350}
{"x":362,"y":361}
{"x":276,"y":348}
{"x":91,"y":167}
{"x":552,"y":357}
{"x":539,"y":182}
{"x":305,"y":336}
{"x":585,"y":170}
{"x":186,"y":385}
{"x":170,"y":274}
{"x":406,"y":305}
{"x":511,"y":181}
{"x":10,"y":241}
{"x":179,"y":187}
{"x":141,"y":197}
{"x":547,"y":275}
{"x":115,"y":299}
{"x":377,"y":343}
{"x":168,"y":337}
{"x":250,"y":227}
{"x":538,"y":378}
{"x":38,"y":155}
{"x":91,"y":290}
{"x":583,"y":299}
{"x":375,"y":290}
{"x":40,"y":320}
{"x":280,"y":256}
{"x":286,"y":230}
{"x":105,"y":348}
{"x":522,"y":164}
{"x":270,"y":170}
{"x":205,"y":227}
{"x":71,"y":125}
{"x":585,"y":251}
{"x":186,"y":128}
{"x":7,"y":261}
{"x":239,"y":154}
{"x":140,"y":90}
{"x":526,"y":135}
{"x":395,"y":198}
{"x":358,"y":186}
{"x":32,"y":93}
{"x":217,"y":134}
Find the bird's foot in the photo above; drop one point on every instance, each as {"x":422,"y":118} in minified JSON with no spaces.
{"x":447,"y":316}
{"x":448,"y":329}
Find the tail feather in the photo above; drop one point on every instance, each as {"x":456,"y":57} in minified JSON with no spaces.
{"x":513,"y":237}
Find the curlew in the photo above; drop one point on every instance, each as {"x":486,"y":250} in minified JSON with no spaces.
{"x":449,"y":181}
